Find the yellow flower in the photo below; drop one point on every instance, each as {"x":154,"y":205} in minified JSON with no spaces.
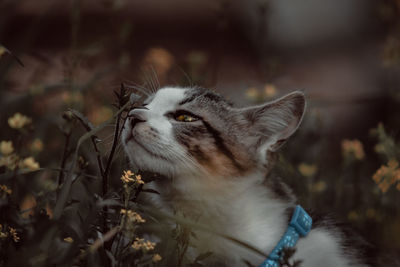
{"x":148,"y":245}
{"x":379,"y":148}
{"x":17,"y":121}
{"x":10,"y":161}
{"x":270,"y":90}
{"x":139,"y":179}
{"x":380,"y":174}
{"x":136,"y":245}
{"x":145,"y":245}
{"x":37,"y":145}
{"x":100,"y":114}
{"x":156,"y":258}
{"x":384,"y":186}
{"x":30,"y":164}
{"x":252,"y":93}
{"x":69,"y":239}
{"x":353,"y":148}
{"x":307,"y":170}
{"x":393,"y":164}
{"x":4,"y":189}
{"x":197,"y":58}
{"x":6,"y":147}
{"x":3,"y":50}
{"x":14,"y":234}
{"x":318,"y":187}
{"x":133,"y":216}
{"x":74,"y":97}
{"x":353,"y":216}
{"x":36,"y":89}
{"x":3,"y":235}
{"x":391,"y":52}
{"x":160,"y":58}
{"x":387,"y":175}
{"x":127,"y":178}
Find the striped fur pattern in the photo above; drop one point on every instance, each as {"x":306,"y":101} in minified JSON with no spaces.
{"x":215,"y":166}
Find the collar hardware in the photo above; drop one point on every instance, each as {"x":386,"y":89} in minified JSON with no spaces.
{"x":299,"y":226}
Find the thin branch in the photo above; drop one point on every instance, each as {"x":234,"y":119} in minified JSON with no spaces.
{"x":107,"y":171}
{"x":88,"y":126}
{"x":65,"y":190}
{"x":185,"y":247}
{"x":100,"y":241}
{"x":98,"y":155}
{"x":111,"y":156}
{"x":122,"y":100}
{"x":64,"y":158}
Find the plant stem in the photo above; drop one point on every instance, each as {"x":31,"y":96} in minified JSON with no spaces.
{"x":14,"y":196}
{"x":98,"y":156}
{"x":185,"y":247}
{"x":89,"y":128}
{"x":107,"y":245}
{"x":64,"y":158}
{"x":137,"y":192}
{"x":111,"y":156}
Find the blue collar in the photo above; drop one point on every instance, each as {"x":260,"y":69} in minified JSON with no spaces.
{"x":299,"y":225}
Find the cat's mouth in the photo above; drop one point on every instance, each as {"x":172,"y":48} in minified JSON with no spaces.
{"x":131,"y":138}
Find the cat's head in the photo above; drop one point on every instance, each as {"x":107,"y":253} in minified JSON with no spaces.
{"x":181,"y":131}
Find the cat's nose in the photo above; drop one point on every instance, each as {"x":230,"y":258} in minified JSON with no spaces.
{"x":136,"y":116}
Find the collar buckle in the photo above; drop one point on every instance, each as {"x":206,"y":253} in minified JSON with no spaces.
{"x":300,"y":225}
{"x":301,"y":221}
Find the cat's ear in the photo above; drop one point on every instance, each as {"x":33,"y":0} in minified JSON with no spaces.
{"x":271,"y":124}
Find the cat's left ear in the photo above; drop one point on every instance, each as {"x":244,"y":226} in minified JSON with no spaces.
{"x":271,"y":124}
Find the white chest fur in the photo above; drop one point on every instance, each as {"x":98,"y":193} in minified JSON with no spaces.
{"x":245,"y":210}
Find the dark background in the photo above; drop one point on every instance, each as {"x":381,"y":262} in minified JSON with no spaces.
{"x":344,"y":54}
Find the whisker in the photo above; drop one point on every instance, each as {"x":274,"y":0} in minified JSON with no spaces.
{"x":138,"y":88}
{"x":108,"y":141}
{"x":109,"y":135}
{"x":190,"y":81}
{"x":119,"y":149}
{"x":149,"y":81}
{"x":156,"y":80}
{"x":183,"y":159}
{"x":132,"y":85}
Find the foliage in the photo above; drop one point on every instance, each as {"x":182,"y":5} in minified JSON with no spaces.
{"x":68,"y":197}
{"x":76,"y":217}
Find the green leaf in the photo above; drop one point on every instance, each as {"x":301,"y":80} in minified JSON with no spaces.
{"x":4,"y":50}
{"x":84,"y":120}
{"x":151,"y":191}
{"x":112,"y":258}
{"x":65,"y":190}
{"x":108,"y":203}
{"x":203,"y":256}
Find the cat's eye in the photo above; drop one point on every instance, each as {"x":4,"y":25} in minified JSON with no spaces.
{"x":185,"y":118}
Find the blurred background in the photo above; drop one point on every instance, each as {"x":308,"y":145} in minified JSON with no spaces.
{"x":344,"y":54}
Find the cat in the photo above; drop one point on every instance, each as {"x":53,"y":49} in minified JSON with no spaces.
{"x":215,"y":158}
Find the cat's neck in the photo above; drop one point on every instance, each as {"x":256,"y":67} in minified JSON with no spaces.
{"x":239,"y":207}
